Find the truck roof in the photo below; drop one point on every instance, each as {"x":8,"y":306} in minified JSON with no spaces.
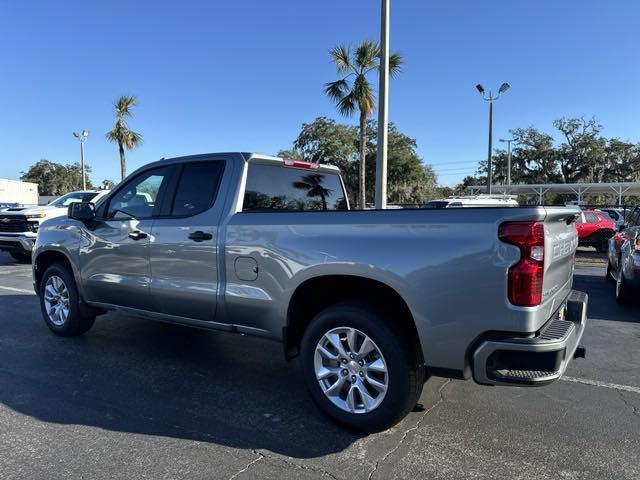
{"x":249,"y":157}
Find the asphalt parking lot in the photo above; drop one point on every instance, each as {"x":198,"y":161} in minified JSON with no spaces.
{"x":137,"y":399}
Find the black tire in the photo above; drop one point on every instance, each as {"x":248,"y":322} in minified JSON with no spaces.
{"x":602,"y":246}
{"x":607,"y":276}
{"x":406,"y":371}
{"x":21,"y":257}
{"x":624,"y":295}
{"x":76,"y":323}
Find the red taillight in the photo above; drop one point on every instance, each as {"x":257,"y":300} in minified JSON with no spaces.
{"x":638,"y":244}
{"x":290,"y":162}
{"x":526,"y":276}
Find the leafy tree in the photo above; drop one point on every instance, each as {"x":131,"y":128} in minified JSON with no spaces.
{"x":622,"y":161}
{"x":107,"y":185}
{"x":583,"y":156}
{"x":121,"y":134}
{"x":580,"y":157}
{"x":56,"y":178}
{"x":409,"y":180}
{"x":353,"y":92}
{"x":326,"y":141}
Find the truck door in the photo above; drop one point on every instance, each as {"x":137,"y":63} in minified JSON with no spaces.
{"x":114,"y":259}
{"x":184,"y":247}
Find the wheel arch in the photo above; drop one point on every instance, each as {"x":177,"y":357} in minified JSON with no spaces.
{"x":317,"y":293}
{"x":44,"y":260}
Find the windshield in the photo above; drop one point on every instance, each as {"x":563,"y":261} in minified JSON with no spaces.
{"x":73,"y":197}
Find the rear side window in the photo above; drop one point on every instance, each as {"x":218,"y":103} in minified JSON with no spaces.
{"x":591,"y":217}
{"x":275,"y":188}
{"x":633,"y":218}
{"x":197,"y":188}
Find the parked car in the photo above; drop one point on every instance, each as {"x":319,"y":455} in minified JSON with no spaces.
{"x":19,"y":224}
{"x":623,"y":265}
{"x":616,"y":214}
{"x":369,"y":299}
{"x":473,"y":201}
{"x":595,"y":229}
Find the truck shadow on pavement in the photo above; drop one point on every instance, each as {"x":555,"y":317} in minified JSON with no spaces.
{"x":606,"y":307}
{"x":138,"y":376}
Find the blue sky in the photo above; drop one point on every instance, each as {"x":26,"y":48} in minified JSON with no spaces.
{"x":244,"y":75}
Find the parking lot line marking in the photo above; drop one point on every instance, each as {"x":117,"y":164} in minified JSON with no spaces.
{"x":13,"y":272}
{"x":596,"y":383}
{"x":19,"y":290}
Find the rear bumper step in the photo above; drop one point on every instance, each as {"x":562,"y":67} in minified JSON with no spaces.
{"x":535,"y":360}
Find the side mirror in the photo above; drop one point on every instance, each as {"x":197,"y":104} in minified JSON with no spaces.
{"x":82,"y":211}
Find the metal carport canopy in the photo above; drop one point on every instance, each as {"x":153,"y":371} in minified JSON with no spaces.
{"x":620,"y":189}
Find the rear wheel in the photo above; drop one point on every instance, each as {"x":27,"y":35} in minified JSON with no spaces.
{"x":602,"y":246}
{"x":59,"y":303}
{"x":623,"y":293}
{"x":359,"y":371}
{"x":21,"y":257}
{"x":608,"y":275}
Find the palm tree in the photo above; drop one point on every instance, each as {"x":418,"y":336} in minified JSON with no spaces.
{"x":354,"y":92}
{"x":121,"y":134}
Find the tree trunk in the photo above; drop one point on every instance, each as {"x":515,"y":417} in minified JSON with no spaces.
{"x":363,"y":158}
{"x":123,"y":162}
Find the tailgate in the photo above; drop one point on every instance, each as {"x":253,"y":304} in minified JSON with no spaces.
{"x":561,"y":241}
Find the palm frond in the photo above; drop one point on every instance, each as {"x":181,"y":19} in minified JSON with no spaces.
{"x":134,"y":139}
{"x":363,"y":92}
{"x":366,"y":54}
{"x":336,"y":90}
{"x":348,"y":104}
{"x":395,"y":64}
{"x":341,"y":56}
{"x":123,"y":105}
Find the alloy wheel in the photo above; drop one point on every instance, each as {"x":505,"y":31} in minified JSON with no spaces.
{"x":351,"y":370}
{"x":56,"y":300}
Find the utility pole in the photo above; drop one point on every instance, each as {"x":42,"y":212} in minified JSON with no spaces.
{"x":383,"y":105}
{"x":503,"y":88}
{"x":82,"y":136}
{"x":508,"y":142}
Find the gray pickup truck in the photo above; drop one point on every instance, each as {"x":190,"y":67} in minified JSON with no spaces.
{"x":372,"y":302}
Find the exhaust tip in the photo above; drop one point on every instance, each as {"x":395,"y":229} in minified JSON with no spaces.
{"x":581,"y":352}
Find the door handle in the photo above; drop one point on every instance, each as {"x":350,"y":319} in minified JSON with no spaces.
{"x":137,"y":235}
{"x":200,"y":236}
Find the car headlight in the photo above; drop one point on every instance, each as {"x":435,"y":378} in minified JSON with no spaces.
{"x":36,"y":215}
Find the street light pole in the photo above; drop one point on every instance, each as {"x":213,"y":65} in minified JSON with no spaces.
{"x":383,"y":105}
{"x":503,"y":88}
{"x":82,"y":136}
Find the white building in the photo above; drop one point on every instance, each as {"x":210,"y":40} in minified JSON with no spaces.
{"x":15,"y":191}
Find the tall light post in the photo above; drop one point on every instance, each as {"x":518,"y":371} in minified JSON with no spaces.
{"x":383,"y":104}
{"x":82,"y":136}
{"x":508,"y":142}
{"x":503,"y":88}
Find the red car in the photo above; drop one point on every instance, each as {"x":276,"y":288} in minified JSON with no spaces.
{"x":595,"y":229}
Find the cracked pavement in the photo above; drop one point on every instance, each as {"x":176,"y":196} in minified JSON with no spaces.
{"x":136,"y":399}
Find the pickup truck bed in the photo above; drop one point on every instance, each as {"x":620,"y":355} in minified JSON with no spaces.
{"x":467,"y":293}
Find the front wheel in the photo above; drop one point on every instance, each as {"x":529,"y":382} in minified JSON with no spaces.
{"x":359,"y":371}
{"x":59,"y":303}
